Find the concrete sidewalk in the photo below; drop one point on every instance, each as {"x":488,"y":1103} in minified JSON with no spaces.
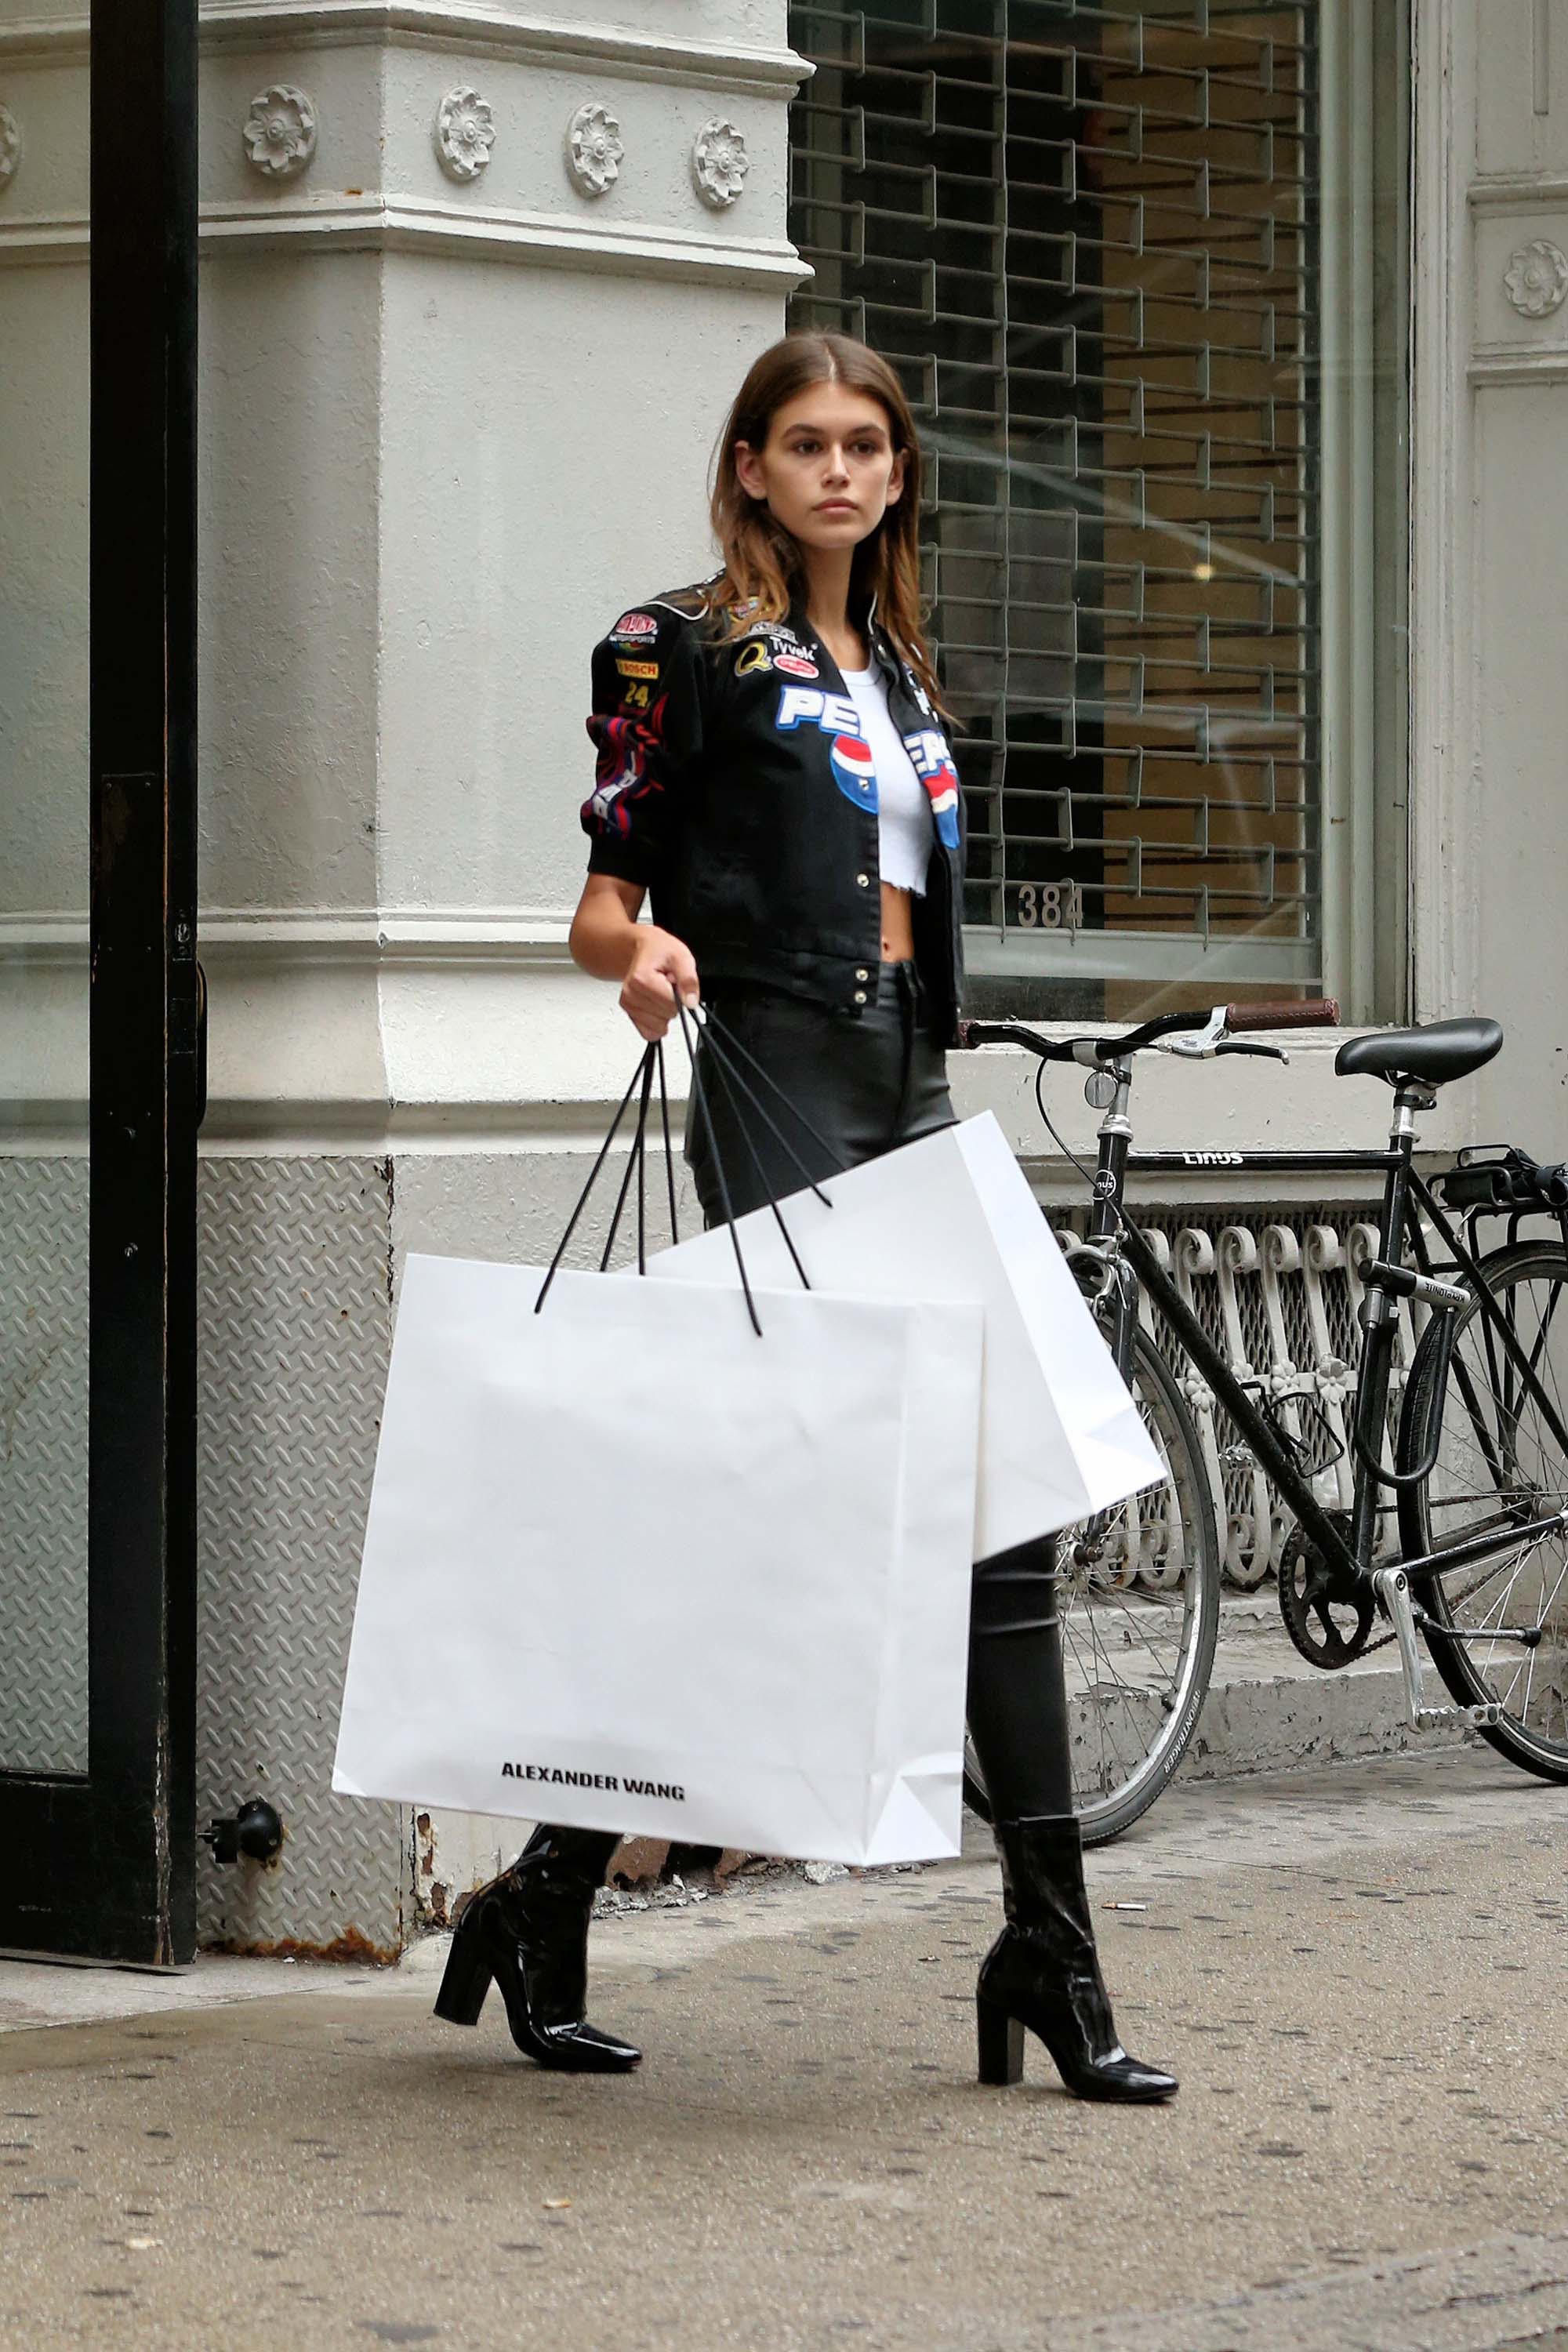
{"x":1357,"y":1973}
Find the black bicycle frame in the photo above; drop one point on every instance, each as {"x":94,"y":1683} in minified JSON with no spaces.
{"x":1354,"y":1559}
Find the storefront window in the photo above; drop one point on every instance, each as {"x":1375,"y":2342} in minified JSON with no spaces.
{"x":1142,"y":272}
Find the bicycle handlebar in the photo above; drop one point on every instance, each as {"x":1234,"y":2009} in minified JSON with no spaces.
{"x":1312,"y":1012}
{"x":1012,"y":1033}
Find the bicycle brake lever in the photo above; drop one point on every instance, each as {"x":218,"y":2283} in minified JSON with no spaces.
{"x":1197,"y":1044}
{"x":1245,"y":1045}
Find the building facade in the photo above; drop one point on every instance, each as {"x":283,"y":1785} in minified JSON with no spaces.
{"x":1240,"y":346}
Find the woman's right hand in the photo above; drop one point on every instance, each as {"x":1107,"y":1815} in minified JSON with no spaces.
{"x":660,"y":965}
{"x":607,"y":940}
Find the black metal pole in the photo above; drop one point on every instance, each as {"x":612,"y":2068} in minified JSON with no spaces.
{"x":143,"y":986}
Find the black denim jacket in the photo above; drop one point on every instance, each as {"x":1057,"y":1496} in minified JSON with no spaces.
{"x":735,"y":786}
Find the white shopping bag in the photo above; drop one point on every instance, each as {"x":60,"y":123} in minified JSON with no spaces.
{"x":630,"y":1567}
{"x":952,"y":1217}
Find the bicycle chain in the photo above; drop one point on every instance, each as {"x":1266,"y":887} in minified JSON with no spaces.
{"x":1321,"y":1638}
{"x":1382,"y":1641}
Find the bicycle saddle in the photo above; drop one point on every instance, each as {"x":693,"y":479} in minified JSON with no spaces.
{"x":1438,"y":1051}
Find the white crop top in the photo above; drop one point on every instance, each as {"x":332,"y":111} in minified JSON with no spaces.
{"x":903,"y":804}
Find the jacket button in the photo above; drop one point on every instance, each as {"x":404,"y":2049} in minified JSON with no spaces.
{"x":860,"y":994}
{"x":862,"y":973}
{"x":864,"y":880}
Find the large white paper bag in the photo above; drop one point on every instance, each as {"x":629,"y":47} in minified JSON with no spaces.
{"x":630,"y":1567}
{"x":952,"y":1217}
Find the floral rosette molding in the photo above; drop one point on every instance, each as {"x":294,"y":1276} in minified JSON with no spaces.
{"x":10,"y":146}
{"x":1537,"y":278}
{"x":593,"y":148}
{"x":720,"y":164}
{"x":281,"y":132}
{"x":464,"y":134}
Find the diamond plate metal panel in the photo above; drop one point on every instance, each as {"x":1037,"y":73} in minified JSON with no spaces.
{"x":294,"y":1335}
{"x":43,"y":1464}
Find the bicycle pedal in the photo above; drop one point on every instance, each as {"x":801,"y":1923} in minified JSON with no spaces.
{"x":1480,"y":1718}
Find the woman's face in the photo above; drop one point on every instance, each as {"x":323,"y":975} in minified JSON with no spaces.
{"x":828,"y":471}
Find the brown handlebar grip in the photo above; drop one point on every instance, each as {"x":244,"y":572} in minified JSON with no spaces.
{"x":1312,"y":1013}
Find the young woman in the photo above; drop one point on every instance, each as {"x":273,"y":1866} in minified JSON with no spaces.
{"x":773,"y":773}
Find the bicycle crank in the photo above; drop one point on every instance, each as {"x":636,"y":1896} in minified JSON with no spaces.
{"x":1393,"y":1588}
{"x":1326,"y":1616}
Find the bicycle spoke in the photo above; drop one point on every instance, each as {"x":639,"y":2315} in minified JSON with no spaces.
{"x":1499,"y":1461}
{"x":1098,"y":1710}
{"x":1131,"y":1616}
{"x":1139,"y":1598}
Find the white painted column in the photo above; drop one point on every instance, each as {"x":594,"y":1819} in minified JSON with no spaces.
{"x":478,"y":282}
{"x":465,"y":360}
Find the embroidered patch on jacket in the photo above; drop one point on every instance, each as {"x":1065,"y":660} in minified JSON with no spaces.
{"x":933,"y":764}
{"x":777,"y":633}
{"x":834,"y":713}
{"x":853,"y":769}
{"x":754,"y":655}
{"x":626,"y":747}
{"x":635,"y":625}
{"x":637,"y":668}
{"x":796,"y":666}
{"x":849,"y":754}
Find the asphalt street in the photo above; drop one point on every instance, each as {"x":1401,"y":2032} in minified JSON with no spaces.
{"x":1358,"y":1973}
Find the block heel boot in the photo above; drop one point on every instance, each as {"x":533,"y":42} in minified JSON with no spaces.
{"x":527,"y":1934}
{"x":1042,"y":1973}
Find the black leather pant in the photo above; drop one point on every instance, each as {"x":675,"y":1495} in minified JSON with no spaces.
{"x":866,"y":1084}
{"x":863,"y":1082}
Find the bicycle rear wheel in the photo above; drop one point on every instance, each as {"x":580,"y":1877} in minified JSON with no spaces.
{"x":1498,"y":1461}
{"x":1139,"y":1596}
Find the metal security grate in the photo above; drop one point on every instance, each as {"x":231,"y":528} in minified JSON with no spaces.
{"x":1081,"y":234}
{"x":1280,"y":1295}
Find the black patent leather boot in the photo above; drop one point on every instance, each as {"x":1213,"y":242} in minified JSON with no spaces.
{"x":1043,"y":1972}
{"x":527,"y":1933}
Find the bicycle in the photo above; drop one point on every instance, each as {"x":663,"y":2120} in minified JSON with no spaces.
{"x":1479,"y":1479}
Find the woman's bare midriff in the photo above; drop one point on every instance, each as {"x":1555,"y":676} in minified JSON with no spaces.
{"x":898,"y":926}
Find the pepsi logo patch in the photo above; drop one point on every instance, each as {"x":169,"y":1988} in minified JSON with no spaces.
{"x":853,"y":769}
{"x":801,"y":706}
{"x":943,"y":786}
{"x":796,"y":666}
{"x":932,"y":762}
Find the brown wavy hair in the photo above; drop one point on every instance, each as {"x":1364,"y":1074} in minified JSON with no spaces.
{"x":761,"y":560}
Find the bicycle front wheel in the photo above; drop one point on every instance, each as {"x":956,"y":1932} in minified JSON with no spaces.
{"x":1138,"y":1591}
{"x":1498,"y":1464}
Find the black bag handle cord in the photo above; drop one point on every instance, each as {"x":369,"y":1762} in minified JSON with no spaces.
{"x":650,"y":1065}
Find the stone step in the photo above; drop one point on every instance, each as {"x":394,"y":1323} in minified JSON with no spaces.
{"x":1269,"y":1710}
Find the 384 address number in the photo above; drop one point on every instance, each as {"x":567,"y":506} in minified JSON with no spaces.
{"x":1048,"y":907}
